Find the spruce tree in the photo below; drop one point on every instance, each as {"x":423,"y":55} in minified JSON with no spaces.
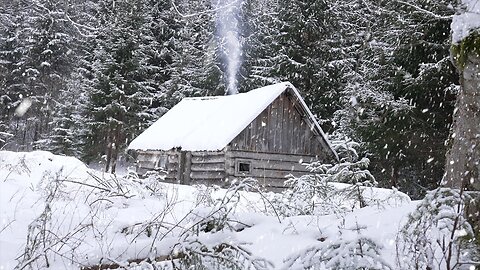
{"x":38,"y":52}
{"x":408,"y":146}
{"x":196,"y":64}
{"x":122,"y":78}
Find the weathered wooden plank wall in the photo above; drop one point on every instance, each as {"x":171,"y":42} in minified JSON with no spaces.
{"x":281,"y":128}
{"x":146,"y":162}
{"x":185,"y":167}
{"x":270,"y":169}
{"x":207,"y":166}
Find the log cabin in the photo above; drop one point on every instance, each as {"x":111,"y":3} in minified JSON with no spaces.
{"x":266,"y":133}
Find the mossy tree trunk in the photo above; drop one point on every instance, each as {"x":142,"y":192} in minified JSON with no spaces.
{"x":462,"y":168}
{"x":463,"y":160}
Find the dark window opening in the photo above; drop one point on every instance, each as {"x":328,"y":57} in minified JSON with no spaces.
{"x":244,"y":167}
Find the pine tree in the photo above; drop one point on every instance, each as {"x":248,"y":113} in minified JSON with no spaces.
{"x":122,"y":83}
{"x":423,"y":76}
{"x":437,"y":235}
{"x":38,"y":55}
{"x":67,"y":132}
{"x":260,"y":50}
{"x":196,"y":69}
{"x":394,"y":101}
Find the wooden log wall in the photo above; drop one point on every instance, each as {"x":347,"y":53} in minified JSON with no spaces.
{"x":275,"y":144}
{"x":146,"y":162}
{"x":270,"y":169}
{"x":208,"y":167}
{"x":186,"y":167}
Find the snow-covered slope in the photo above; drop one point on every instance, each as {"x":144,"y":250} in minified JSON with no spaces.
{"x":55,"y":211}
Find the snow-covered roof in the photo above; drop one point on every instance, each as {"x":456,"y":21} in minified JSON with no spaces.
{"x":211,"y":123}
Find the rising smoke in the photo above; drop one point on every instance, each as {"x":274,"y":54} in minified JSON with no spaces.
{"x":228,"y":15}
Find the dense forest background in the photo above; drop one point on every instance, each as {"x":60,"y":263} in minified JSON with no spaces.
{"x":97,"y":73}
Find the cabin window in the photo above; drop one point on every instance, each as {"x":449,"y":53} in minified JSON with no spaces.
{"x":243,"y":167}
{"x":161,"y":162}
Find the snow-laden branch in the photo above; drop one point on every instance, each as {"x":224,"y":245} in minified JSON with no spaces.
{"x":80,"y":25}
{"x":213,"y":10}
{"x":428,"y":12}
{"x":76,"y":25}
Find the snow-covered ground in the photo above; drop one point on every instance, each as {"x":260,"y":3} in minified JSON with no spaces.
{"x":57,"y":212}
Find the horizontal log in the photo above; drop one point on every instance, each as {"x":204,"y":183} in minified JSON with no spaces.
{"x":207,"y":175}
{"x":146,"y":164}
{"x":267,"y":173}
{"x":208,"y":159}
{"x":270,"y":165}
{"x":267,"y":182}
{"x":154,"y":157}
{"x":146,"y":157}
{"x":279,"y":165}
{"x":210,"y":182}
{"x":211,"y":167}
{"x":271,"y":156}
{"x":261,"y":173}
{"x":207,"y":153}
{"x":156,"y":152}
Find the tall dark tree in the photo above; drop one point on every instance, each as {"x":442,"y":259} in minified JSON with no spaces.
{"x":122,"y":80}
{"x":260,"y":48}
{"x":196,"y":63}
{"x":67,"y":127}
{"x":462,"y":166}
{"x":38,"y":56}
{"x":408,"y":146}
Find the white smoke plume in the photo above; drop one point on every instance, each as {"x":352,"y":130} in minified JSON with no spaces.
{"x":228,"y":13}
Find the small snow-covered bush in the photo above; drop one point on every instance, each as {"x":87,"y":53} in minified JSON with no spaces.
{"x":307,"y":195}
{"x":349,"y":250}
{"x":436,"y":235}
{"x":361,"y":253}
{"x":205,"y":254}
{"x":313,"y":194}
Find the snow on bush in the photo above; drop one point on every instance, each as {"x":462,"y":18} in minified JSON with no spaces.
{"x":349,"y":250}
{"x":436,"y":235}
{"x":335,"y":188}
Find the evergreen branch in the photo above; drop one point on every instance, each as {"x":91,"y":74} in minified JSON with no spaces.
{"x":77,"y":25}
{"x":202,"y":12}
{"x":428,"y":12}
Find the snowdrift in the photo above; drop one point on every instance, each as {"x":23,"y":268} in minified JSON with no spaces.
{"x":58,"y":213}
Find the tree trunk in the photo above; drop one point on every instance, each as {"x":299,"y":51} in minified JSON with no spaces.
{"x":109,"y":149}
{"x":116,"y":144}
{"x":463,"y":160}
